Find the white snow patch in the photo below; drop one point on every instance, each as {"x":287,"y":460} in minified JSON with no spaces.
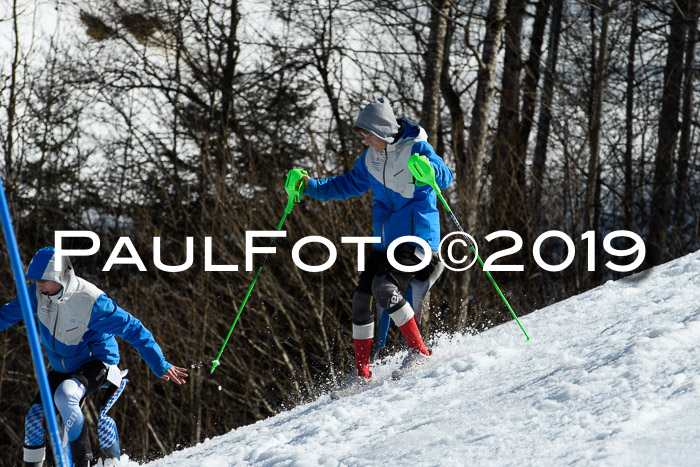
{"x":610,"y":377}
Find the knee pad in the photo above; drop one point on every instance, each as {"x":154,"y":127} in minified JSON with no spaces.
{"x":389,"y":297}
{"x":387,"y":293}
{"x":67,"y":398}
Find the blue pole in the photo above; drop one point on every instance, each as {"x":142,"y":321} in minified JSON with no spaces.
{"x":60,"y":457}
{"x":383,"y":330}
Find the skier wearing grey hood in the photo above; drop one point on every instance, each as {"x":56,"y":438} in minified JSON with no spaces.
{"x":77,"y":326}
{"x":400,"y":208}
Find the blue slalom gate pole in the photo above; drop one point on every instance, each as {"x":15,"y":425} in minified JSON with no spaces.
{"x":59,"y":455}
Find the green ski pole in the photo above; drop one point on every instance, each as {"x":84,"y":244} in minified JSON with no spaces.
{"x":425,"y":175}
{"x":294,"y":193}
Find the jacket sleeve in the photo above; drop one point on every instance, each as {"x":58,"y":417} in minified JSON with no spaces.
{"x":443,"y":174}
{"x":353,"y":183}
{"x":11,"y":313}
{"x":109,"y":318}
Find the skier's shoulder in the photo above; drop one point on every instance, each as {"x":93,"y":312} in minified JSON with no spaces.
{"x":86,"y":287}
{"x":411,"y":131}
{"x":81,"y":294}
{"x":413,"y":136}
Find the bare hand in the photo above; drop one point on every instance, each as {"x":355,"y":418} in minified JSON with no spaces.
{"x":175,"y":374}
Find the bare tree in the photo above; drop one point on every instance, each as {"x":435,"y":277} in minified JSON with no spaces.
{"x":507,"y":168}
{"x":532,"y":75}
{"x":684,"y":146}
{"x":9,"y":138}
{"x":434,"y":59}
{"x":628,"y":197}
{"x":598,"y":72}
{"x":469,"y":146}
{"x":668,"y":128}
{"x":545,"y":115}
{"x":469,"y":169}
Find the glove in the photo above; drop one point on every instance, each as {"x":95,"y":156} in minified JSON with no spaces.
{"x":422,"y":170}
{"x":297,"y":180}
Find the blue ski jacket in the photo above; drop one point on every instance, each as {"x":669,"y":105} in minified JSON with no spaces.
{"x":80,"y":323}
{"x":400,"y":208}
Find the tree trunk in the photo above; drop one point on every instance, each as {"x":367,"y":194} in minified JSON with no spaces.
{"x":9,"y":141}
{"x":532,"y":75}
{"x":435,"y":58}
{"x":469,"y":170}
{"x":686,"y":121}
{"x":452,"y":101}
{"x":668,"y":133}
{"x":628,"y":196}
{"x":469,"y":162}
{"x":507,"y":198}
{"x":232,"y":51}
{"x":592,"y":201}
{"x":545,"y":117}
{"x":529,"y":96}
{"x":507,"y":168}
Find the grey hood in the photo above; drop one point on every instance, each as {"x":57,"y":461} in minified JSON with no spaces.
{"x":378,"y":119}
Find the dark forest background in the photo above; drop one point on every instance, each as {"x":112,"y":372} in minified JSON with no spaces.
{"x":181,"y":118}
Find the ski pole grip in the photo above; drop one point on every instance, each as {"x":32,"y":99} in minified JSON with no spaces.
{"x":422,"y":171}
{"x":294,"y":190}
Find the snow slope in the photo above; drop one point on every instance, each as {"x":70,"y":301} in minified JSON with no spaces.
{"x":610,"y":377}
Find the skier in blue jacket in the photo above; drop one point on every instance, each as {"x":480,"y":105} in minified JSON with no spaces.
{"x":77,"y":325}
{"x":400,"y":208}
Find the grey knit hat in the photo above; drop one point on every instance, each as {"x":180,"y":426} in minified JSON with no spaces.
{"x":378,"y":119}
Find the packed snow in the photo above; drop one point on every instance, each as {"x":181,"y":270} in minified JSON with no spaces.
{"x":609,"y":377}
